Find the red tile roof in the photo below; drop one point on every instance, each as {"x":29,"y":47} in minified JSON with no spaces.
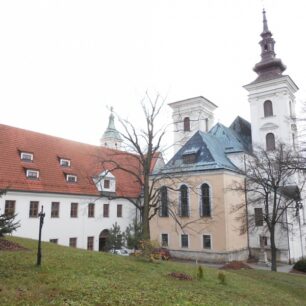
{"x":85,"y":163}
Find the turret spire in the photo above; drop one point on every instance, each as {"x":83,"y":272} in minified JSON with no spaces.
{"x":111,"y":137}
{"x":269,"y":67}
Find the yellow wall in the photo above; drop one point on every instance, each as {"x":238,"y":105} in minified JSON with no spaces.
{"x":222,"y":225}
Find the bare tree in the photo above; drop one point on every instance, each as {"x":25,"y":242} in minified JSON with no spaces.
{"x":145,"y":150}
{"x":273,"y":184}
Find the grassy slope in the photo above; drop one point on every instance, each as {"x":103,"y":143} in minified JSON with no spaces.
{"x":77,"y":277}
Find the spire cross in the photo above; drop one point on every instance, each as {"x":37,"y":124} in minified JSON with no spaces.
{"x":265,"y":22}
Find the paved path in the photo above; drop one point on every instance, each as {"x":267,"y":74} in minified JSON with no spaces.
{"x":260,"y":266}
{"x":280,"y":267}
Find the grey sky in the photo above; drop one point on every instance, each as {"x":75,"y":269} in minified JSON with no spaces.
{"x":63,"y":62}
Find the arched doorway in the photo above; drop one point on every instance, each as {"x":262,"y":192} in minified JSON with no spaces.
{"x":102,"y":240}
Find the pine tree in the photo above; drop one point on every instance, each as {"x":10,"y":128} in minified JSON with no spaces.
{"x":133,"y":235}
{"x":114,"y":239}
{"x":8,"y":224}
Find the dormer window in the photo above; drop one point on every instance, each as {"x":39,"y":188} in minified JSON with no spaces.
{"x":25,"y":156}
{"x":65,"y":162}
{"x":70,"y":178}
{"x":32,"y":174}
{"x":105,"y":181}
{"x":190,"y":156}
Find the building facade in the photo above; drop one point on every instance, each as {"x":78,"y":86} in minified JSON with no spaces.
{"x":207,"y":163}
{"x":273,"y":117}
{"x":199,"y":213}
{"x":81,"y":195}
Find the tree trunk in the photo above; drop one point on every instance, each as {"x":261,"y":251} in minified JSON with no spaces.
{"x":273,"y":251}
{"x":146,"y":210}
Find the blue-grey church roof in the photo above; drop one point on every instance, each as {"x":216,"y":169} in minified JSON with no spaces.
{"x":210,"y":149}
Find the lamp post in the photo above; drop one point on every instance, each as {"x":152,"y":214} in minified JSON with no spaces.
{"x":41,"y":216}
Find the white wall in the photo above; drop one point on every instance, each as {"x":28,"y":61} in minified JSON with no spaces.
{"x":65,"y":227}
{"x":280,"y":92}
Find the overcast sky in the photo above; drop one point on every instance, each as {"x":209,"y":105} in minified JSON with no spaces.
{"x":63,"y":62}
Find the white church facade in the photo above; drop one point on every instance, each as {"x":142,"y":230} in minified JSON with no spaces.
{"x":207,"y":160}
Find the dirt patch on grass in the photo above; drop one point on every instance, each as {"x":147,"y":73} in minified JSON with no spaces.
{"x":180,"y":276}
{"x":235,"y":265}
{"x":6,"y":245}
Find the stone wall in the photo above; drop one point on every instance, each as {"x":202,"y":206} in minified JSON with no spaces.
{"x":211,"y":257}
{"x":281,"y":254}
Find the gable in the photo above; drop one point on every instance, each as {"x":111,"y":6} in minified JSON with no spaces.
{"x":208,"y":154}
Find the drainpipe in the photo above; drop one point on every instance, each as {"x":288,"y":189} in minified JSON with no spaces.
{"x":246,"y":208}
{"x":301,"y":239}
{"x":288,"y":237}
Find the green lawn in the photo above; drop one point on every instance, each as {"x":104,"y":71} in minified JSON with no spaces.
{"x":76,"y":277}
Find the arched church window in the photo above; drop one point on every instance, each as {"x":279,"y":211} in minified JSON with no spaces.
{"x":205,"y":201}
{"x":184,"y":205}
{"x":268,"y":108}
{"x":270,"y":142}
{"x":163,"y":212}
{"x":186,"y":124}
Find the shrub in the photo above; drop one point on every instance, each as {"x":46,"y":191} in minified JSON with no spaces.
{"x":300,"y":265}
{"x":147,"y":247}
{"x":222,"y":278}
{"x":200,"y":272}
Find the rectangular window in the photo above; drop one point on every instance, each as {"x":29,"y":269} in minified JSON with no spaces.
{"x":71,"y":178}
{"x":91,"y":210}
{"x":263,"y":241}
{"x":64,"y":162}
{"x":105,"y":210}
{"x":119,"y":211}
{"x":207,"y":242}
{"x":55,"y":209}
{"x":293,"y":141}
{"x":184,"y":241}
{"x":164,"y":240}
{"x":74,"y":210}
{"x":258,"y":217}
{"x":33,"y":213}
{"x":90,"y":243}
{"x":28,"y":157}
{"x":9,"y":209}
{"x":106,"y":184}
{"x":73,"y":242}
{"x":55,"y":241}
{"x":32,"y":174}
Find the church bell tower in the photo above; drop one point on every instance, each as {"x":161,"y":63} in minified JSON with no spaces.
{"x":271,"y":98}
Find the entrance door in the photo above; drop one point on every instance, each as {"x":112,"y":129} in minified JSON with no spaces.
{"x":102,"y":240}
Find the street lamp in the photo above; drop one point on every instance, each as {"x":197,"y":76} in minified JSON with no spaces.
{"x":41,"y":216}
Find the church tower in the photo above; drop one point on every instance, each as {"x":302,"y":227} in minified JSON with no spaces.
{"x":271,"y":98}
{"x":111,"y":137}
{"x":190,"y":116}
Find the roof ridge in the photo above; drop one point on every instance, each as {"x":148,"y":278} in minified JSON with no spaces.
{"x":61,"y":138}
